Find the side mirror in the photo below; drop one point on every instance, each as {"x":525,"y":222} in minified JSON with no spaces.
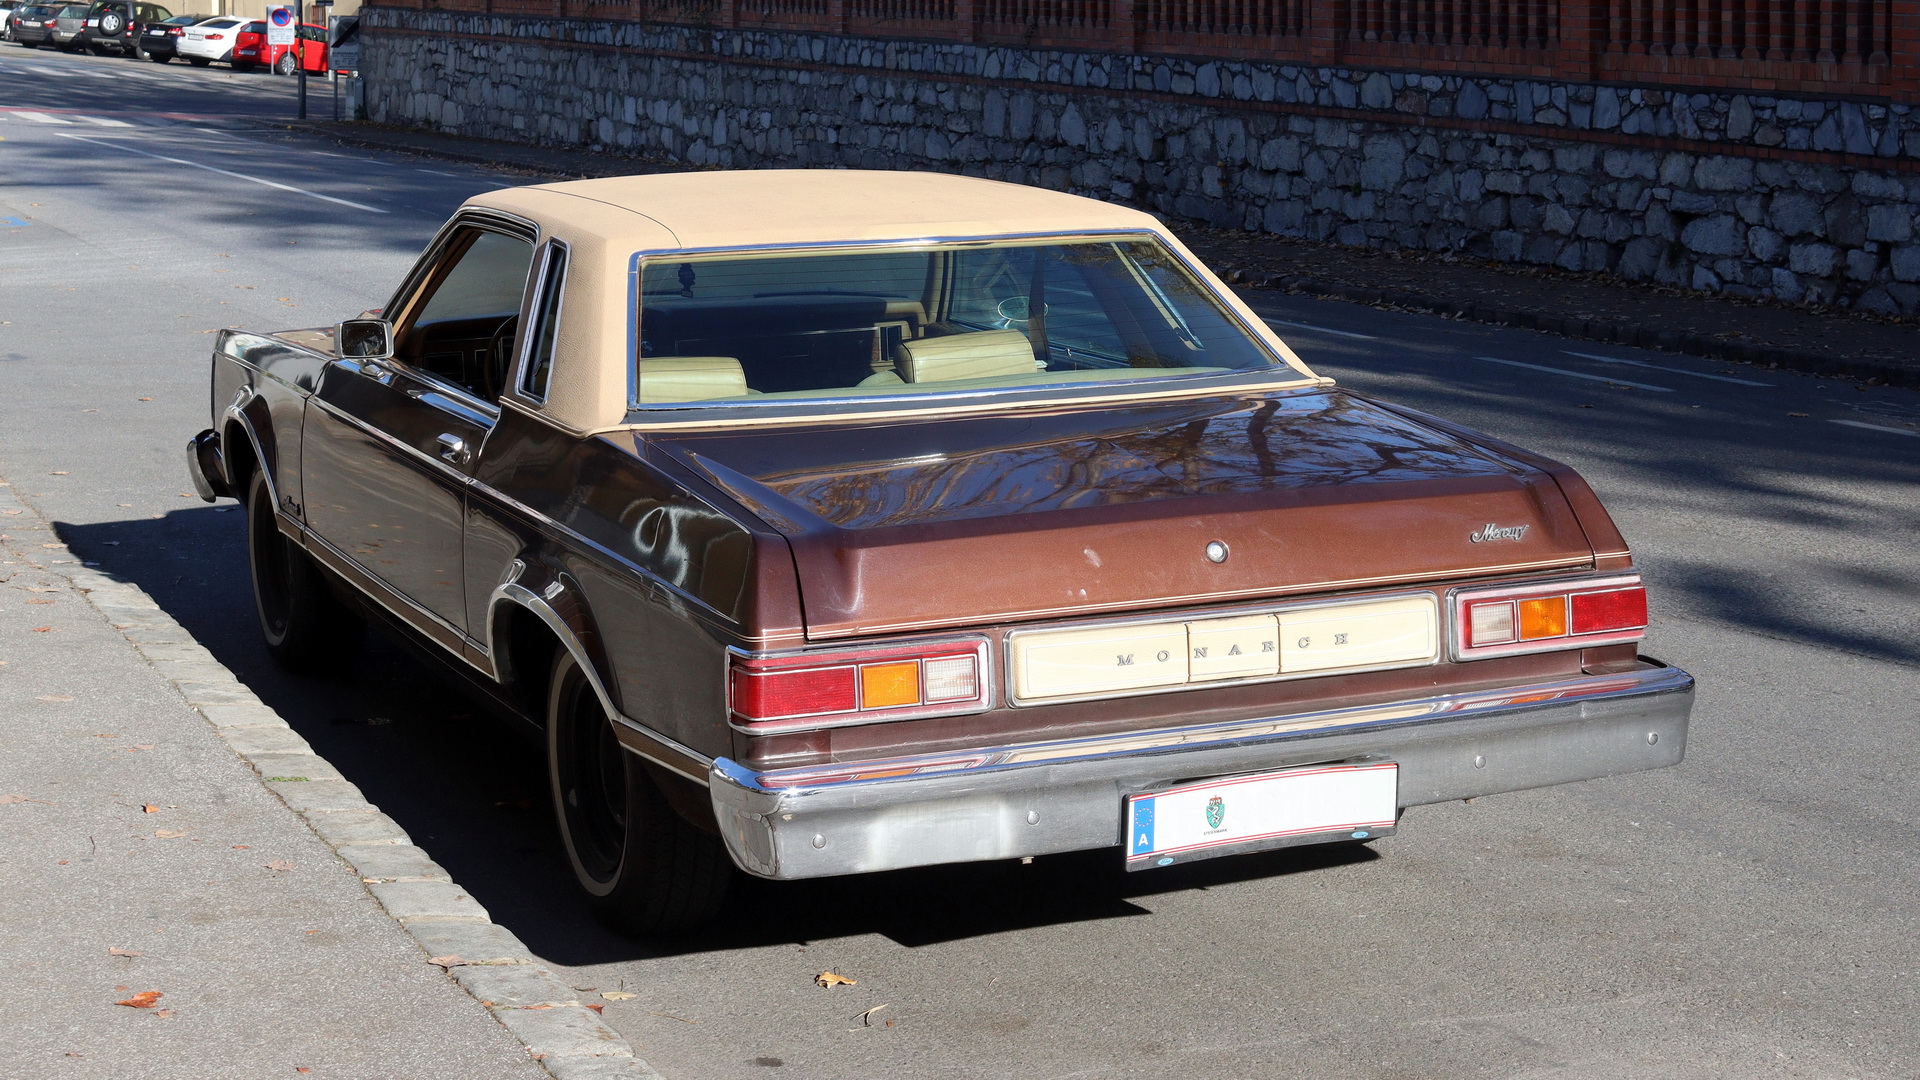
{"x":364,"y":339}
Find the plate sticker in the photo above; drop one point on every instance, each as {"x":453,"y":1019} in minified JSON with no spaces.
{"x":1322,"y":799}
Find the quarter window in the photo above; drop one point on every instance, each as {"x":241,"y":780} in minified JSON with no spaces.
{"x":546,"y":323}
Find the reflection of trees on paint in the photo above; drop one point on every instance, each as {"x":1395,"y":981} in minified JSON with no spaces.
{"x":1296,"y":443}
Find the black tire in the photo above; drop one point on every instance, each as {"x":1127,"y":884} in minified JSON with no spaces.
{"x":304,"y":625}
{"x":198,"y":61}
{"x":286,"y":65}
{"x":158,"y":59}
{"x":244,"y":68}
{"x":644,"y":869}
{"x":100,"y":50}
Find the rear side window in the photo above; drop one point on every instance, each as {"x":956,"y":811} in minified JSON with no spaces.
{"x":546,"y":324}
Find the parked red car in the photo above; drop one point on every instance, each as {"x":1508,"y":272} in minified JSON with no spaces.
{"x":252,"y":50}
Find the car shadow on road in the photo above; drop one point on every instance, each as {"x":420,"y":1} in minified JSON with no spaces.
{"x":472,"y":792}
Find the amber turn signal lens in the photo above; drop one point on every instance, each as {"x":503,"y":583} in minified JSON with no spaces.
{"x":885,"y":685}
{"x":1543,"y":617}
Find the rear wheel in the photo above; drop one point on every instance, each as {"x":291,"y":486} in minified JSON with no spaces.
{"x":198,"y":61}
{"x":644,"y":868}
{"x":305,"y":626}
{"x":285,"y":65}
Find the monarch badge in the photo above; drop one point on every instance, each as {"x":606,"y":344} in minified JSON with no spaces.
{"x":1216,"y":812}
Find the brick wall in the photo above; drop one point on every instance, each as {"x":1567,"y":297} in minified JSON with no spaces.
{"x":1796,"y":196}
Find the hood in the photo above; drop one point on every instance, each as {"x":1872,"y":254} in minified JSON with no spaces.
{"x":1046,"y":514}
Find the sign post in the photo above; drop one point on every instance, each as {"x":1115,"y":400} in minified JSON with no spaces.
{"x":283,"y":29}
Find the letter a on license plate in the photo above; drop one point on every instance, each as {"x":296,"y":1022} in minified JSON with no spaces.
{"x":1250,"y":813}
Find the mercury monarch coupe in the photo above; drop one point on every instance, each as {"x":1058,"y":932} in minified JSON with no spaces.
{"x":832,"y":522}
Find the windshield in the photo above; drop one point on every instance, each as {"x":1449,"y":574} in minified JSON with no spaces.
{"x":937,"y":319}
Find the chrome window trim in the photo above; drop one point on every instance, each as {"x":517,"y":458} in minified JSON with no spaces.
{"x":886,"y":404}
{"x":1459,"y":652}
{"x":469,"y":217}
{"x":980,"y":644}
{"x":1440,"y":648}
{"x":541,"y":281}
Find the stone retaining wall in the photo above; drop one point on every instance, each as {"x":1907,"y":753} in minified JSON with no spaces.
{"x":1801,"y":200}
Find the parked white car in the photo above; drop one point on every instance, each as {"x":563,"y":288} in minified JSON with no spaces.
{"x":212,"y":40}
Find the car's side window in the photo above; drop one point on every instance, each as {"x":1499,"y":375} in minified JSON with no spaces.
{"x":460,"y":324}
{"x":546,"y":323}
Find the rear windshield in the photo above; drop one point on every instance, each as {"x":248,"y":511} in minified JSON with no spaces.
{"x":939,"y":319}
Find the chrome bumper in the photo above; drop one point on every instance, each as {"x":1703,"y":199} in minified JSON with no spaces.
{"x":1042,"y":798}
{"x":205,"y":467}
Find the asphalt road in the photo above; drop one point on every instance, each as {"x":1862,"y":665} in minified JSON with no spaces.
{"x":1751,"y":913}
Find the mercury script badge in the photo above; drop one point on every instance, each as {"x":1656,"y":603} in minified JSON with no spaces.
{"x":1490,"y":531}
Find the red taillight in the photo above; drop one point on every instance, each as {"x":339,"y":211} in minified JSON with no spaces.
{"x":1560,"y":615}
{"x":828,"y":688}
{"x":1615,"y":609}
{"x":175,"y":32}
{"x":216,"y":37}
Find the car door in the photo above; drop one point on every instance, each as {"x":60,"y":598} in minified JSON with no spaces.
{"x":389,"y":445}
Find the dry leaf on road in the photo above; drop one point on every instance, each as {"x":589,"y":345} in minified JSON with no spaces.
{"x":594,"y":1007}
{"x":866,"y":1018}
{"x":447,"y":961}
{"x":828,"y":978}
{"x":142,"y":1000}
{"x":149,"y":808}
{"x":169,"y":834}
{"x":280,"y":864}
{"x":8,"y":800}
{"x":618,"y":995}
{"x":115,"y":950}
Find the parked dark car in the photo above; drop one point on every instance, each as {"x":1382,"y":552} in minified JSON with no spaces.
{"x":70,"y":28}
{"x":32,"y":25}
{"x":119,"y":26}
{"x":161,"y":40}
{"x":830,"y":522}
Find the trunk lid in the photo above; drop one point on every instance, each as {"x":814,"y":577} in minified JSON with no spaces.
{"x":916,"y":525}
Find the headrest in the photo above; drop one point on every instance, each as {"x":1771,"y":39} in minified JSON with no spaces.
{"x":980,"y":355}
{"x":690,"y":378}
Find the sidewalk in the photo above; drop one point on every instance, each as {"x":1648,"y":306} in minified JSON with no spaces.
{"x":171,"y":913}
{"x":1587,"y":306}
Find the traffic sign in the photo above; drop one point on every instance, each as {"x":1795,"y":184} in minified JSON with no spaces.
{"x":280,"y":25}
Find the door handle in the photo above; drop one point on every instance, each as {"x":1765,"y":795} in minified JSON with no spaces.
{"x":453,"y":449}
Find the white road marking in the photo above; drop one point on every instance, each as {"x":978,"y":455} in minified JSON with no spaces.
{"x":1877,"y":427}
{"x":1577,"y":374}
{"x":1320,"y":329}
{"x":50,"y":70}
{"x":223,"y":172}
{"x":40,"y":117}
{"x":104,"y":121}
{"x":437,"y":172}
{"x":1668,"y":370}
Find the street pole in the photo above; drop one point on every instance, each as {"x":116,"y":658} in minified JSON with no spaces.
{"x":299,"y":57}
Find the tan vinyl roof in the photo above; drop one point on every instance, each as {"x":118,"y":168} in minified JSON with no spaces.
{"x":801,"y":206}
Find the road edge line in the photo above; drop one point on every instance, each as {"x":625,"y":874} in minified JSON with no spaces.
{"x":562,"y":1034}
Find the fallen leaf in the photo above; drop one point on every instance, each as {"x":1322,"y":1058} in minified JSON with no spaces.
{"x":43,"y":629}
{"x":866,"y":1018}
{"x":449,"y":961}
{"x":142,"y":1000}
{"x":56,"y":697}
{"x":58,"y":472}
{"x":149,"y":808}
{"x":40,"y":601}
{"x":169,"y":834}
{"x":146,"y":399}
{"x":137,"y":747}
{"x":115,"y":950}
{"x":828,"y":978}
{"x":301,"y":1069}
{"x":618,"y":995}
{"x":8,"y":800}
{"x":595,"y":1008}
{"x":163,"y":1013}
{"x":280,"y":864}
{"x":241,"y":847}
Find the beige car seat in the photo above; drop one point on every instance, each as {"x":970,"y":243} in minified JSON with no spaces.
{"x":980,"y":355}
{"x":666,"y":379}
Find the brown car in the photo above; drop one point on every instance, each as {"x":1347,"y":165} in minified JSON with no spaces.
{"x":832,"y":522}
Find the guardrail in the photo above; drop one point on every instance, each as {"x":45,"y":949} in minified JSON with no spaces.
{"x":1856,"y":48}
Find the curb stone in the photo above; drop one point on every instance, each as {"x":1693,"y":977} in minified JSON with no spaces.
{"x":566,"y":1038}
{"x":1770,"y":356}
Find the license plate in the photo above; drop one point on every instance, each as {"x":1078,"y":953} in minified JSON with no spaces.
{"x":1252,"y":813}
